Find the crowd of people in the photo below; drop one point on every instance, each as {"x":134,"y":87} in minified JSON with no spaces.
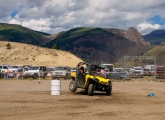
{"x":10,"y":74}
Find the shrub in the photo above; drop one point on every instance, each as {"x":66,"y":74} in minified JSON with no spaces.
{"x":54,"y":46}
{"x":8,"y":46}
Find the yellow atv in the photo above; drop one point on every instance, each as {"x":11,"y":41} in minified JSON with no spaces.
{"x":89,"y":78}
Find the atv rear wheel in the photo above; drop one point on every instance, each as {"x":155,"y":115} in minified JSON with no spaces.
{"x":90,"y":90}
{"x":72,"y":86}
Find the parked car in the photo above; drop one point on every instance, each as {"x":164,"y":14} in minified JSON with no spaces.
{"x":27,"y":66}
{"x":50,"y":70}
{"x":8,"y":67}
{"x":36,"y":72}
{"x":17,"y":66}
{"x":119,"y":70}
{"x":119,"y":73}
{"x":61,"y":72}
{"x":73,"y":69}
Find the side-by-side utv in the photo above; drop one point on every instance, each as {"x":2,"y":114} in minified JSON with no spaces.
{"x":88,"y":77}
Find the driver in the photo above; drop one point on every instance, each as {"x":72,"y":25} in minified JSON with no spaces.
{"x":81,"y":69}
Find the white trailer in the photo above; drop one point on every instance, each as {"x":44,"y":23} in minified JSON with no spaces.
{"x":109,"y":66}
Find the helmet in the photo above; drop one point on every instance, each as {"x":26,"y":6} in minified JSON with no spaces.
{"x":103,"y":66}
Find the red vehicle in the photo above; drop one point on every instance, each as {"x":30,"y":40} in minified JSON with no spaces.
{"x":148,"y":71}
{"x":160,"y":72}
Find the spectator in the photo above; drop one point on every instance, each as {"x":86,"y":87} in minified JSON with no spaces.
{"x":4,"y":73}
{"x":102,"y":71}
{"x":132,"y":70}
{"x":9,"y":73}
{"x":20,"y":75}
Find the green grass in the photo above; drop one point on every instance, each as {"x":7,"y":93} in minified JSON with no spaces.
{"x":17,"y":33}
{"x":156,"y":50}
{"x":81,"y":30}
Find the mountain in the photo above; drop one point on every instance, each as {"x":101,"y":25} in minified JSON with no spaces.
{"x":25,"y":54}
{"x":17,"y":33}
{"x":156,"y":37}
{"x":134,"y":35}
{"x":98,"y":44}
{"x":91,"y":44}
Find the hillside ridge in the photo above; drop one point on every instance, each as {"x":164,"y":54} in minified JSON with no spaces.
{"x":25,"y":54}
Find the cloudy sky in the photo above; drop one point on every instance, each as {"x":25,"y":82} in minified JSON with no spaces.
{"x":53,"y":16}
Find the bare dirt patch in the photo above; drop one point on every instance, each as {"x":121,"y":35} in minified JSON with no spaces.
{"x":27,"y":100}
{"x":25,"y":54}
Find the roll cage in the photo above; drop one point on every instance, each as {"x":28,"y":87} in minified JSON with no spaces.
{"x":91,"y":69}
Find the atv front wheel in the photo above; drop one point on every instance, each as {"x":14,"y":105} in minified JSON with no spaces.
{"x":90,"y":90}
{"x":86,"y":91}
{"x":72,"y":86}
{"x":109,"y":91}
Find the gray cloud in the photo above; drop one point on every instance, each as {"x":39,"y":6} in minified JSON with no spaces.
{"x":34,"y":3}
{"x":75,"y":5}
{"x":7,"y":7}
{"x":55,"y":10}
{"x":53,"y":16}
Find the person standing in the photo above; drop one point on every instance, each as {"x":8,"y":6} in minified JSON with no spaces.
{"x":103,"y":72}
{"x":4,"y":73}
{"x":21,"y":75}
{"x":9,"y":73}
{"x":131,"y":71}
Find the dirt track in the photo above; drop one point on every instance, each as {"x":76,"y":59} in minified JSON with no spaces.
{"x":28,"y":100}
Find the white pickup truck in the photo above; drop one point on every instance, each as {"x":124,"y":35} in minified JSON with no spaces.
{"x":36,"y":72}
{"x":61,"y":72}
{"x":138,"y":71}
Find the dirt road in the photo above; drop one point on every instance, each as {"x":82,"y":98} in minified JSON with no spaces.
{"x":28,"y":100}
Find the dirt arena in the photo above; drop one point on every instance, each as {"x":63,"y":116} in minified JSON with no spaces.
{"x":28,"y":100}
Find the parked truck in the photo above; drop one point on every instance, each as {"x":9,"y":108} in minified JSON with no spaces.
{"x":160,"y":72}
